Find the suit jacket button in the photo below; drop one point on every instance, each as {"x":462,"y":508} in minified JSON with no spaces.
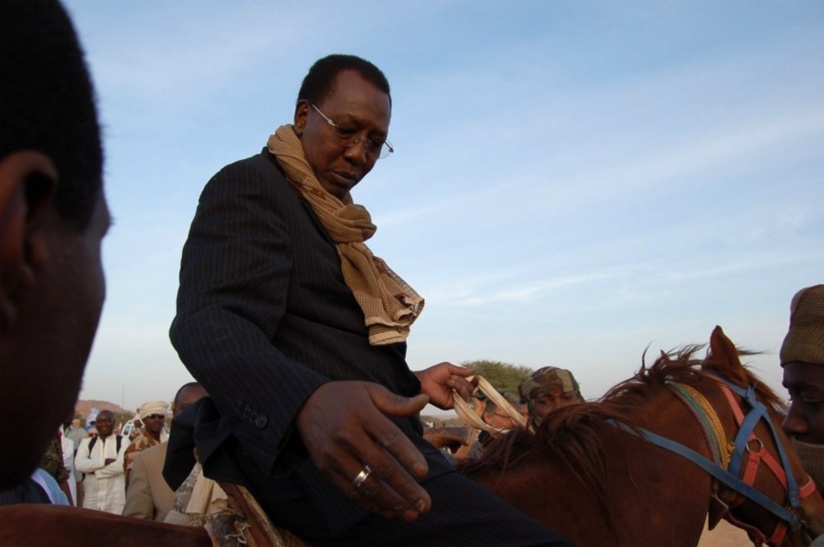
{"x":261,"y":422}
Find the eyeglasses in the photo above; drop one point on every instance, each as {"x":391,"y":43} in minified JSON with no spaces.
{"x":348,"y":138}
{"x":155,"y":417}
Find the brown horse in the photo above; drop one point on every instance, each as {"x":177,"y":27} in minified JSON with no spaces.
{"x":594,"y":472}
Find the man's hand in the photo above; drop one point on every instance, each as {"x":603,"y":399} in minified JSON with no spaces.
{"x":343,"y":427}
{"x":438,"y":382}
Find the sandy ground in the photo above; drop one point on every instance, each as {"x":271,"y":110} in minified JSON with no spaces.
{"x":724,"y":535}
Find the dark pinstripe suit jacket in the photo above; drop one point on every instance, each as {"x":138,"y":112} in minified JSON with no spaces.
{"x":264,"y":318}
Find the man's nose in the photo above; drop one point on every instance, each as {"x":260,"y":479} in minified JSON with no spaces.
{"x":796,"y":422}
{"x":357,"y":152}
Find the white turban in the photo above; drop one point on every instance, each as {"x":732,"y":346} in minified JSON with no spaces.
{"x":153,"y":407}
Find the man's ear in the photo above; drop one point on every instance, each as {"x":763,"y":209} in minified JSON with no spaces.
{"x":28,"y":180}
{"x":301,"y":114}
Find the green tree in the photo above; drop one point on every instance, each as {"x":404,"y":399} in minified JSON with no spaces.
{"x":504,"y":376}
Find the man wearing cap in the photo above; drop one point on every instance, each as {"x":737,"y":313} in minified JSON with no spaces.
{"x":153,"y":415}
{"x":548,"y":389}
{"x":802,"y":358}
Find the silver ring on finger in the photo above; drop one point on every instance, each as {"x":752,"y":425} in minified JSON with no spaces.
{"x":361,"y":477}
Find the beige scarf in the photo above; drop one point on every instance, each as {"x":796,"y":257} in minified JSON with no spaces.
{"x":389,"y":305}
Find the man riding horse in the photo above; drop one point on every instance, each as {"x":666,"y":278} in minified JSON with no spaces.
{"x":298,"y":332}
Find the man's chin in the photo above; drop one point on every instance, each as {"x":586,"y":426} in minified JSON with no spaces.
{"x":338,"y":186}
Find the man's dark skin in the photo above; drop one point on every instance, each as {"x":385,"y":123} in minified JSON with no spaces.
{"x":105,"y":427}
{"x":153,"y":425}
{"x":805,"y":418}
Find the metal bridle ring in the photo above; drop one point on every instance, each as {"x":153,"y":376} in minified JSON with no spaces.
{"x":755,"y":441}
{"x":361,"y":478}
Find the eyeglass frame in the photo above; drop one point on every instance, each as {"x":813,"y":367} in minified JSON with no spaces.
{"x":386,"y":149}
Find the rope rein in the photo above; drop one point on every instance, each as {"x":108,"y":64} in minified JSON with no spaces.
{"x":711,"y":424}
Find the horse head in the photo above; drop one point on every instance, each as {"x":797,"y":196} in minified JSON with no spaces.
{"x":765,"y":490}
{"x":641,"y":465}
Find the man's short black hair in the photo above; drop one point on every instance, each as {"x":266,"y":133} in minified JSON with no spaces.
{"x":47,"y":101}
{"x":319,"y":82}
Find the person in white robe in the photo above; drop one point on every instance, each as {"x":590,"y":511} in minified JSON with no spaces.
{"x":68,"y":462}
{"x":101,"y":460}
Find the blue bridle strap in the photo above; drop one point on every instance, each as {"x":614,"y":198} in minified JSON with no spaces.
{"x":722,"y":475}
{"x":759,"y":411}
{"x":743,"y":436}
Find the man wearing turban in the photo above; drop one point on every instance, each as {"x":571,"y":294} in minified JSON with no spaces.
{"x":802,"y":358}
{"x":548,"y":389}
{"x":153,"y":415}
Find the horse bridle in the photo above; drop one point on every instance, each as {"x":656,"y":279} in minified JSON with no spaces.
{"x":731,"y":475}
{"x":744,"y":441}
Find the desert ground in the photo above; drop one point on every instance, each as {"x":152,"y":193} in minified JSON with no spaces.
{"x":724,"y":535}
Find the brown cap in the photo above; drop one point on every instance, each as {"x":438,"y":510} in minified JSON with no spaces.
{"x":547,"y":380}
{"x":805,"y":338}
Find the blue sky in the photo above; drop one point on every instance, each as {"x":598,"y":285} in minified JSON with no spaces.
{"x":573,"y":181}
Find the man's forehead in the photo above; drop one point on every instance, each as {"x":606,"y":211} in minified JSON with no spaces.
{"x":352,"y":94}
{"x":556,"y":393}
{"x":350,"y":80}
{"x":798,"y":374}
{"x":190,"y":394}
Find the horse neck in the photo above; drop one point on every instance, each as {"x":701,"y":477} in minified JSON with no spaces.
{"x":638,"y":480}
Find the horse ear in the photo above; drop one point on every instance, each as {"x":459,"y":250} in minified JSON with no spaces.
{"x":724,"y":356}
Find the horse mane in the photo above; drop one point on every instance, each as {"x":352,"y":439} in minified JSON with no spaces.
{"x":571,"y":435}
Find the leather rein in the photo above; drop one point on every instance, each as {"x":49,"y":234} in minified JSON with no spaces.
{"x":735,"y":464}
